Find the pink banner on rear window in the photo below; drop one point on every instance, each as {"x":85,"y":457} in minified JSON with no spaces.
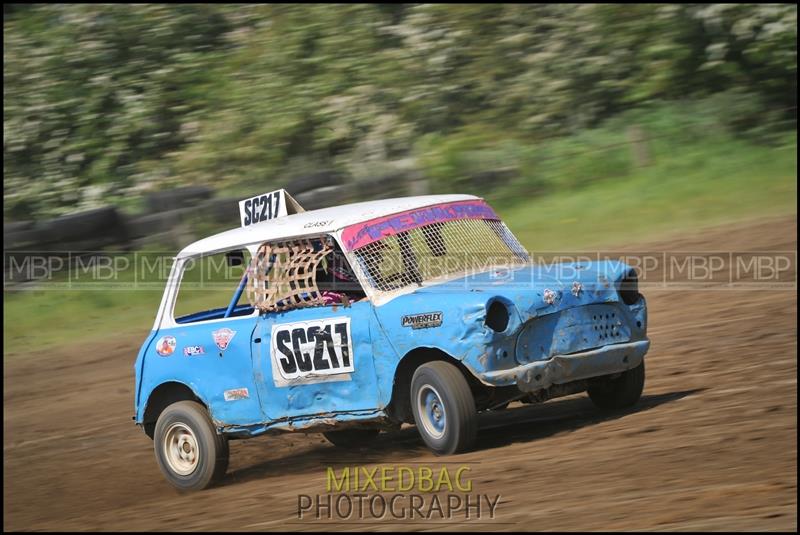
{"x":361,"y":234}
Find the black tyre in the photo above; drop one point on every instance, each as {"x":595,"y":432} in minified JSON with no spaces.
{"x":444,"y":408}
{"x":190,"y":453}
{"x":351,"y":438}
{"x":618,"y":393}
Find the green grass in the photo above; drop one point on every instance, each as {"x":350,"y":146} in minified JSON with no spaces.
{"x":680,"y":192}
{"x":40,"y":319}
{"x":684,"y":190}
{"x":35,"y":320}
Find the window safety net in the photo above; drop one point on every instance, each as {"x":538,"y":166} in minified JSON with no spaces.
{"x":282,"y":275}
{"x":439,"y":250}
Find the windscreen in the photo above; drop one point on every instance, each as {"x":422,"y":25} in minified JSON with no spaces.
{"x":433,"y":243}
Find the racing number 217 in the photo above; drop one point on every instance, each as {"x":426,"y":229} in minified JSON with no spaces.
{"x":318,"y":347}
{"x":262,"y":208}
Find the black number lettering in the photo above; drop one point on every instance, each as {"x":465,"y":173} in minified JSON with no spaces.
{"x":303,"y":359}
{"x":293,"y":348}
{"x":264,"y":213}
{"x":256,"y":202}
{"x":287,"y":361}
{"x":247,"y":215}
{"x":319,"y":362}
{"x":325,"y":334}
{"x":277,"y":203}
{"x":341,"y":330}
{"x":269,"y":206}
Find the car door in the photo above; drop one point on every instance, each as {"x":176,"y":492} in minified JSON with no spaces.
{"x":316,"y":360}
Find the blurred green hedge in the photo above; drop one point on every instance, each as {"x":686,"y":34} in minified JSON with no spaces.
{"x":104,"y":102}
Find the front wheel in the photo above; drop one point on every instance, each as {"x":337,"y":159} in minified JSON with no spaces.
{"x":444,"y":408}
{"x":190,"y":453}
{"x":620,"y":392}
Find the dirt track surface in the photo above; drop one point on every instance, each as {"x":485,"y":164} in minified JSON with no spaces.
{"x":711,"y":445}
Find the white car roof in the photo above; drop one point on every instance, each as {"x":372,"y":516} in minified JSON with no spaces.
{"x":312,"y":222}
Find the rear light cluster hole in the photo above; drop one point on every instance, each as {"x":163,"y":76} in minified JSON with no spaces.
{"x":629,"y":288}
{"x":497,"y":317}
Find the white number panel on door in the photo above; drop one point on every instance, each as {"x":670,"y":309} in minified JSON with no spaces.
{"x":312,"y":351}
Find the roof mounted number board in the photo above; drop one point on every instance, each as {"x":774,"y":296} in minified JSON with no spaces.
{"x":267,"y":206}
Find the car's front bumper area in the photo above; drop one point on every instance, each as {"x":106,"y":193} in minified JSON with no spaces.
{"x":562,"y":369}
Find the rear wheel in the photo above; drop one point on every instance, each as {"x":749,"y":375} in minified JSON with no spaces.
{"x":351,"y":438}
{"x":189,"y":452}
{"x":620,"y":392}
{"x":444,"y":408}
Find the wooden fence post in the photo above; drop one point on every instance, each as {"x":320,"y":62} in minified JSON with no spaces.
{"x":639,"y":147}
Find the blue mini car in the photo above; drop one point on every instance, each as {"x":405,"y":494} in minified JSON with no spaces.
{"x":359,"y":318}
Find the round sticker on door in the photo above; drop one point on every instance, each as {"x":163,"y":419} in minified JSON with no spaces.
{"x":165,"y":346}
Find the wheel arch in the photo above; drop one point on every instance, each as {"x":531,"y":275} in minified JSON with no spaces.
{"x":399,"y":408}
{"x":162,"y":397}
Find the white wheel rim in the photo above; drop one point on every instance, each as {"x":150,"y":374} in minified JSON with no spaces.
{"x":180,"y":449}
{"x":431,"y":411}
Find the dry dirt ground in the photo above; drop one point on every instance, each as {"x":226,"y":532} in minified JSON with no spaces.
{"x":711,"y":445}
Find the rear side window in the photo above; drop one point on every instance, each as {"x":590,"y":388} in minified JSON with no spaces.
{"x":208,"y":285}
